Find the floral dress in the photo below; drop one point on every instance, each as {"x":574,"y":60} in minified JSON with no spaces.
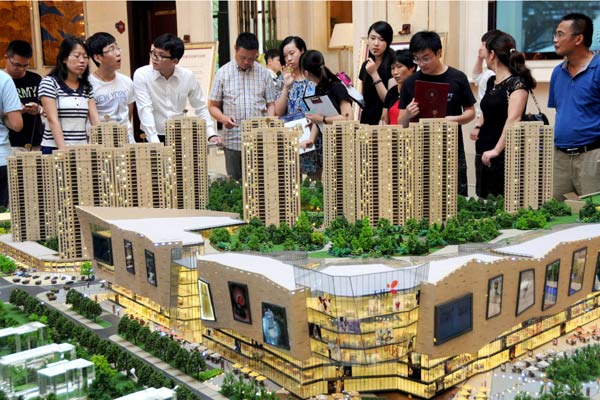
{"x":312,"y":161}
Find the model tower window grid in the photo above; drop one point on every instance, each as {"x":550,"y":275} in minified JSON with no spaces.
{"x":528,"y":165}
{"x":271,"y":175}
{"x":187,"y":135}
{"x":32,"y":194}
{"x":109,"y":134}
{"x":340,"y":193}
{"x":440,"y":169}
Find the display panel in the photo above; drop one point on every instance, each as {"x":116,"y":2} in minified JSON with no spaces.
{"x":240,"y":303}
{"x":453,"y":319}
{"x":597,"y":274}
{"x":494,"y":303}
{"x":102,"y":248}
{"x":526,"y":295}
{"x":274,"y":325}
{"x":551,"y":285}
{"x":314,"y":331}
{"x":346,"y":325}
{"x":129,"y":265}
{"x":207,"y":311}
{"x":150,"y":268}
{"x":577,"y":270}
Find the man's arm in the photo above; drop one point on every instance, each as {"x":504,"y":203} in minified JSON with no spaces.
{"x":143,"y":101}
{"x":271,"y":109}
{"x":130,"y":118}
{"x":13,"y":120}
{"x":467,"y":116}
{"x":11,"y":106}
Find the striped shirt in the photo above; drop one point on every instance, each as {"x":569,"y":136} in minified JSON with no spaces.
{"x":72,"y":106}
{"x":244,"y":94}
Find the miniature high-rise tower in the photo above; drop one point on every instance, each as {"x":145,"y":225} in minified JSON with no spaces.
{"x":271,"y":175}
{"x":109,"y":134}
{"x":187,"y":135}
{"x":528,"y":165}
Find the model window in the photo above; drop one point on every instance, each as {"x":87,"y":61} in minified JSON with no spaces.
{"x":453,"y":319}
{"x":129,"y":266}
{"x":494,"y":303}
{"x":150,"y":268}
{"x":526,"y":295}
{"x":577,"y":270}
{"x":551,"y":285}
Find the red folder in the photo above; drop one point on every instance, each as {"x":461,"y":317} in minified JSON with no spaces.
{"x":432,"y":99}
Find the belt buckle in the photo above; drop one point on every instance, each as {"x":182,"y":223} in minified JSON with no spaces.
{"x":572,"y":151}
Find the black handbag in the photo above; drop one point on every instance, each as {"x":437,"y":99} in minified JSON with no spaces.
{"x":539,"y":117}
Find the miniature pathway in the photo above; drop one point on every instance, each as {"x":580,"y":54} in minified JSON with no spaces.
{"x":205,"y":391}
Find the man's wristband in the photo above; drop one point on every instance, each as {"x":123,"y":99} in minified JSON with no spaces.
{"x":478,"y":126}
{"x":377,"y":82}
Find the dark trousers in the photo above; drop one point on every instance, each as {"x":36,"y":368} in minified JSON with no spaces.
{"x":490,"y":180}
{"x":48,"y":150}
{"x":4,"y":186}
{"x":233,"y":163}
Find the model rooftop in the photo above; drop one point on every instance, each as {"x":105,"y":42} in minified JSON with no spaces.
{"x":164,"y":225}
{"x":538,"y":247}
{"x":439,"y":269}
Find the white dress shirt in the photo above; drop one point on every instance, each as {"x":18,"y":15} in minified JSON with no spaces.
{"x":158,"y":99}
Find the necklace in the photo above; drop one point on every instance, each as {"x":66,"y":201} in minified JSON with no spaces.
{"x":102,"y":78}
{"x":500,"y":80}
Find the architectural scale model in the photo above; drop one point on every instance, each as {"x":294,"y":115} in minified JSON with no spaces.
{"x":419,"y":327}
{"x":187,"y":135}
{"x":271,"y":174}
{"x":390,"y":172}
{"x":49,"y":187}
{"x":109,"y":134}
{"x":528,"y":165}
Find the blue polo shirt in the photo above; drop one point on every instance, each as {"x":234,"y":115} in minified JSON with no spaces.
{"x":9,"y":101}
{"x":577,"y":103}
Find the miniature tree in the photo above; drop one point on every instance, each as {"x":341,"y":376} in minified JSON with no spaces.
{"x":86,"y":269}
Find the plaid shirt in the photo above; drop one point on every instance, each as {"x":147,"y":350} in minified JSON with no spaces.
{"x":244,"y":94}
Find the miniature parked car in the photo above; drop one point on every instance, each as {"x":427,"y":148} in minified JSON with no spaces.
{"x":25,"y":281}
{"x":16,"y":280}
{"x":38,"y":282}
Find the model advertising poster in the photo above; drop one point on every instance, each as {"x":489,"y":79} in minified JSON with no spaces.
{"x":150,"y":268}
{"x":597,"y":275}
{"x":240,"y":303}
{"x":314,"y":331}
{"x":274,"y":325}
{"x":129,"y":265}
{"x":577,"y":270}
{"x":551,"y":285}
{"x":346,"y":325}
{"x":207,"y":311}
{"x":526,"y":295}
{"x":494,"y":305}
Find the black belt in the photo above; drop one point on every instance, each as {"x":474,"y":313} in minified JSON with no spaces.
{"x":573,"y":151}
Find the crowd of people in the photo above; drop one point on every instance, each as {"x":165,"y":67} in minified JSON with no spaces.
{"x":56,"y":111}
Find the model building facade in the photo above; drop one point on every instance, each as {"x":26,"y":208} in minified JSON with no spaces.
{"x":390,"y":172}
{"x":528,"y":165}
{"x":270,"y":171}
{"x":419,"y":328}
{"x":109,"y":134}
{"x":187,"y":135}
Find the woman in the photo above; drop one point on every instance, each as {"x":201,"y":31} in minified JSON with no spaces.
{"x":67,"y":98}
{"x":502,"y":105}
{"x":314,"y":69}
{"x":403,"y":66}
{"x":375,"y":73}
{"x":294,"y":88}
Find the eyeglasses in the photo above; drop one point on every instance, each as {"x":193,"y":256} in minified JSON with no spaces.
{"x":79,"y":56}
{"x":17,"y":65}
{"x":112,"y":49}
{"x":157,"y":56}
{"x":561,"y":34}
{"x":424,"y":60}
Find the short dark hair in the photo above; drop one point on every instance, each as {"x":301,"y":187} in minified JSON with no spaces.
{"x":582,"y":25}
{"x":246,"y":40}
{"x":298,"y":42}
{"x":489,"y":34}
{"x":405,"y":58}
{"x":20,"y":48}
{"x":170,"y":43}
{"x":271,"y":54}
{"x":97,"y":42}
{"x":425,"y":40}
{"x":60,"y":70}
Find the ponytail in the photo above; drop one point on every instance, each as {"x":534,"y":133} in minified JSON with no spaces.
{"x":313,"y":62}
{"x":516,"y":65}
{"x":504,"y":47}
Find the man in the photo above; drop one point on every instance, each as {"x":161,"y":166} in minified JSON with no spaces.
{"x":113,"y":91}
{"x":426,"y":47}
{"x":17,"y":57}
{"x":162,"y":89}
{"x":480,"y":75}
{"x":242,"y":89}
{"x":10,"y":118}
{"x":575,"y":93}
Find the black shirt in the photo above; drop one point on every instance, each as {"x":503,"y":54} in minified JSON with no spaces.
{"x":337,"y":93}
{"x":27,"y":88}
{"x":460,"y":95}
{"x":371,"y":113}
